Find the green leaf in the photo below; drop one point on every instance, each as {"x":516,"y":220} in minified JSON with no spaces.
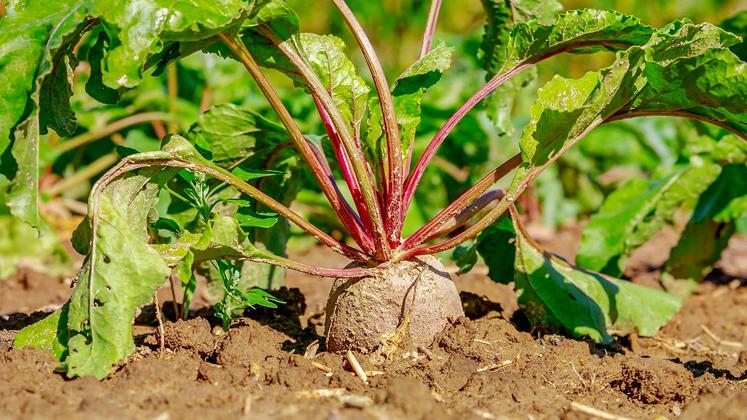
{"x":576,"y":31}
{"x":737,"y":25}
{"x":55,"y":89}
{"x":276,"y":16}
{"x":584,"y":303}
{"x":167,"y":224}
{"x":81,"y":239}
{"x":501,"y":17}
{"x":407,"y":93}
{"x":684,"y":70}
{"x":717,"y":201}
{"x":727,"y":149}
{"x":691,"y":75}
{"x":509,"y":41}
{"x":39,"y":41}
{"x":222,"y":238}
{"x":410,"y":87}
{"x":707,"y":234}
{"x":632,"y":214}
{"x":283,"y":189}
{"x":497,"y":246}
{"x":228,"y":133}
{"x":49,"y":334}
{"x":552,"y":118}
{"x":326,"y":54}
{"x":682,"y":193}
{"x":735,"y":210}
{"x":175,"y":253}
{"x":122,"y":273}
{"x":587,"y":102}
{"x":425,"y":72}
{"x":35,"y":41}
{"x":695,"y":254}
{"x":269,"y":22}
{"x":184,"y":272}
{"x":28,"y":37}
{"x":143,"y":26}
{"x":95,"y":86}
{"x":247,"y":174}
{"x":20,"y":243}
{"x":465,"y":257}
{"x":249,"y":219}
{"x":644,"y":80}
{"x":235,"y":299}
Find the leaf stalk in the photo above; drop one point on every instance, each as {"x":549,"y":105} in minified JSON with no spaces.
{"x":325,"y":179}
{"x":394,"y":215}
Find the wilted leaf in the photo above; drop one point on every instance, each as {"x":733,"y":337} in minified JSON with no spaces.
{"x":121,"y":273}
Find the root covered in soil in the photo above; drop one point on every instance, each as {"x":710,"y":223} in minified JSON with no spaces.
{"x":410,"y":299}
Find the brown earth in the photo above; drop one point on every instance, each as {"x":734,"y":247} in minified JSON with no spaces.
{"x":269,"y":366}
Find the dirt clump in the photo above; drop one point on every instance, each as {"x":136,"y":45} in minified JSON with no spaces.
{"x":193,"y":335}
{"x":410,"y":398}
{"x":724,"y":403}
{"x":248,"y":344}
{"x":655,"y":381}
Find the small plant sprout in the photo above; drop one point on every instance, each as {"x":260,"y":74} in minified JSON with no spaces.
{"x":683,"y":70}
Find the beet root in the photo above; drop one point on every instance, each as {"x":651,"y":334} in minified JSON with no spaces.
{"x":361,"y":313}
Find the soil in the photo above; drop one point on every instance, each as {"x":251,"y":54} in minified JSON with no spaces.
{"x":483,"y":366}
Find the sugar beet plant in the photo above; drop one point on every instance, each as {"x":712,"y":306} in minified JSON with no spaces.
{"x":681,"y":70}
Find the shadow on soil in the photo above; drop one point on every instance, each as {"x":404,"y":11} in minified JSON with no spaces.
{"x":18,"y":321}
{"x":699,"y":369}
